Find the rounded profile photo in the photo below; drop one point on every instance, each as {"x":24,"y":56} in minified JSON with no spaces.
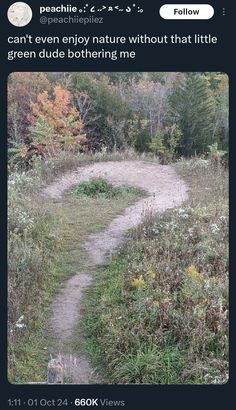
{"x":19,"y":14}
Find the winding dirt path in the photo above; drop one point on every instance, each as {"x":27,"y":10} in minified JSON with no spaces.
{"x":165,"y":189}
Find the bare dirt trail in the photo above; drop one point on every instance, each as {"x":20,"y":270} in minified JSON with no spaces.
{"x":165,"y":189}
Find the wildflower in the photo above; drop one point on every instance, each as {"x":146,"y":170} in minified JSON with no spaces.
{"x":25,"y":219}
{"x":191,"y":231}
{"x":139,"y":283}
{"x":199,"y":310}
{"x":14,"y":236}
{"x":214,"y":228}
{"x":207,"y":284}
{"x":151,"y":274}
{"x":20,"y":323}
{"x":214,"y":280}
{"x":194,"y":274}
{"x":172,"y":226}
{"x":155,"y":230}
{"x":184,"y":212}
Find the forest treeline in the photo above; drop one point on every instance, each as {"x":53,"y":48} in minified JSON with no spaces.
{"x":170,"y":114}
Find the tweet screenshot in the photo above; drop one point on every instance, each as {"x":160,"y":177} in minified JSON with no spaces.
{"x":115,"y":204}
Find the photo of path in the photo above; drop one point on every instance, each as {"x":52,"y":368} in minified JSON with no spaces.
{"x":118,"y":228}
{"x":165,"y":191}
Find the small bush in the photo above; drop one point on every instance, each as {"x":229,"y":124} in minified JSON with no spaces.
{"x":99,"y":187}
{"x":95,"y":188}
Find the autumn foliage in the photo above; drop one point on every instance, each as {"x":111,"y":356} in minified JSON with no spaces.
{"x":56,"y":124}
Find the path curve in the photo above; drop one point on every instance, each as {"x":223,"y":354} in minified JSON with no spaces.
{"x":166,"y":190}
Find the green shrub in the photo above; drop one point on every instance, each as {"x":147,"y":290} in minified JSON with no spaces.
{"x":99,"y":187}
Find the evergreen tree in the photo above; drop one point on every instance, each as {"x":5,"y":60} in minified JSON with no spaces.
{"x":192,"y":107}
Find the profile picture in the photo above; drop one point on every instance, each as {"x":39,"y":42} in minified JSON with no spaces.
{"x":19,"y":14}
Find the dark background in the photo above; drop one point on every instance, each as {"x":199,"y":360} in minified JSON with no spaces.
{"x":214,"y":57}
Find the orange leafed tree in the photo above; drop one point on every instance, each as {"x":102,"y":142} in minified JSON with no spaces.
{"x":56,"y":124}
